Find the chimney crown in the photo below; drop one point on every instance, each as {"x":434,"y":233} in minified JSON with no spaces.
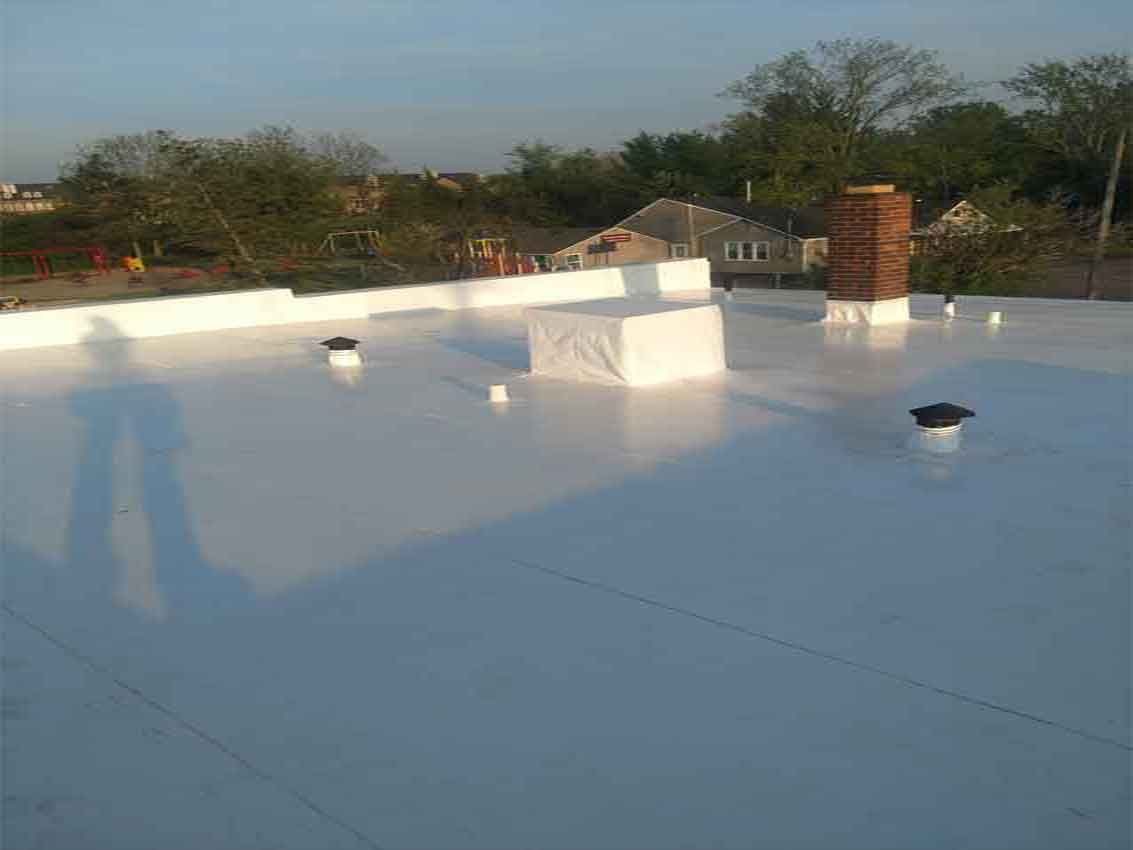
{"x":872,"y":189}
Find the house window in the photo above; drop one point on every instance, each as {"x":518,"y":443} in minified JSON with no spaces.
{"x":574,"y":262}
{"x":748,"y":251}
{"x":679,"y":249}
{"x":542,"y":262}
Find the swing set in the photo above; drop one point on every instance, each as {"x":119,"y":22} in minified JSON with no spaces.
{"x":365,"y":242}
{"x":41,"y":258}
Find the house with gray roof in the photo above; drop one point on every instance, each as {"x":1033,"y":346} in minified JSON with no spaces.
{"x":576,"y":248}
{"x":743,"y":242}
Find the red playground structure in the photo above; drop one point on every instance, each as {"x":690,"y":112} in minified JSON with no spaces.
{"x":41,"y":257}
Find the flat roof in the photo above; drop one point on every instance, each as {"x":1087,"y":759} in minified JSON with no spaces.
{"x":250,"y":602}
{"x":625,"y":308}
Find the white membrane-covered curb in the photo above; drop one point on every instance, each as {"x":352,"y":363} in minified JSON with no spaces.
{"x":627,"y":341}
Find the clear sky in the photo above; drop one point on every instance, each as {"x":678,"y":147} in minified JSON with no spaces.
{"x":454,"y":84}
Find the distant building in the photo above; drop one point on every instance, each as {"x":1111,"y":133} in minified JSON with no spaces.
{"x":936,"y":216}
{"x":741,"y":242}
{"x":548,"y":249}
{"x":27,"y":198}
{"x":935,"y":219}
{"x":363,"y":194}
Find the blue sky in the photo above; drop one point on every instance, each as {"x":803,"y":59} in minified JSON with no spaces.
{"x":454,"y":85}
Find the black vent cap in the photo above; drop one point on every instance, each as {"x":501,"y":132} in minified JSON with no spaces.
{"x":942,"y":415}
{"x":340,"y":343}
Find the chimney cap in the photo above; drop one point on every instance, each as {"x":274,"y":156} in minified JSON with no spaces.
{"x":871,"y":189}
{"x":940,"y":415}
{"x":340,"y":343}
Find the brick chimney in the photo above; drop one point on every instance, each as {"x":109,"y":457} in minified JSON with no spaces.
{"x":868,"y":256}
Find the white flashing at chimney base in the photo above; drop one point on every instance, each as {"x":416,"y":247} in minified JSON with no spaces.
{"x":889,"y":312}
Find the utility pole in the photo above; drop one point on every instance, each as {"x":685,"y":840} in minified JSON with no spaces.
{"x":1107,"y":214}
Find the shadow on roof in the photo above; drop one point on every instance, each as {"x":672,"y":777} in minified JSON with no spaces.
{"x":143,"y":421}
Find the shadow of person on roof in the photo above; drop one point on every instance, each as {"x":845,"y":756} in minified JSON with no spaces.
{"x":130,"y":532}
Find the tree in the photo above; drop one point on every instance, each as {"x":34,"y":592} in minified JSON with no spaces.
{"x":951,"y":151}
{"x":116,"y":182}
{"x":678,"y":164}
{"x":349,"y":153}
{"x":1081,"y":106}
{"x":1015,"y":243}
{"x":527,"y":190}
{"x":818,"y":109}
{"x":787,"y":161}
{"x":259,"y":194}
{"x":549,"y":186}
{"x":1078,"y":111}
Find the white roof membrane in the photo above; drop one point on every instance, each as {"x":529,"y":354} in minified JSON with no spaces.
{"x":247,"y":604}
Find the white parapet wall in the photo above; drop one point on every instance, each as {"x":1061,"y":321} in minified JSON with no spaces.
{"x":152,"y":317}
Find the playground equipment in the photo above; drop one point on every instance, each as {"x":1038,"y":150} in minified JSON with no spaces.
{"x":496,"y":258}
{"x":489,"y":249}
{"x":41,"y":258}
{"x":366,"y":242}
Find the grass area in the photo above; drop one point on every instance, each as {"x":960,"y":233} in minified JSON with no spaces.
{"x":60,"y":264}
{"x":174,"y":275}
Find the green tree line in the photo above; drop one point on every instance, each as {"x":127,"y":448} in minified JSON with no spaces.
{"x":804,"y":125}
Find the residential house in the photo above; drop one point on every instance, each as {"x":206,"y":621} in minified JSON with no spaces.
{"x":456,"y":180}
{"x":934,"y":218}
{"x":26,"y":198}
{"x":359,"y":194}
{"x":743,"y":243}
{"x":576,"y":248}
{"x":363,"y":194}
